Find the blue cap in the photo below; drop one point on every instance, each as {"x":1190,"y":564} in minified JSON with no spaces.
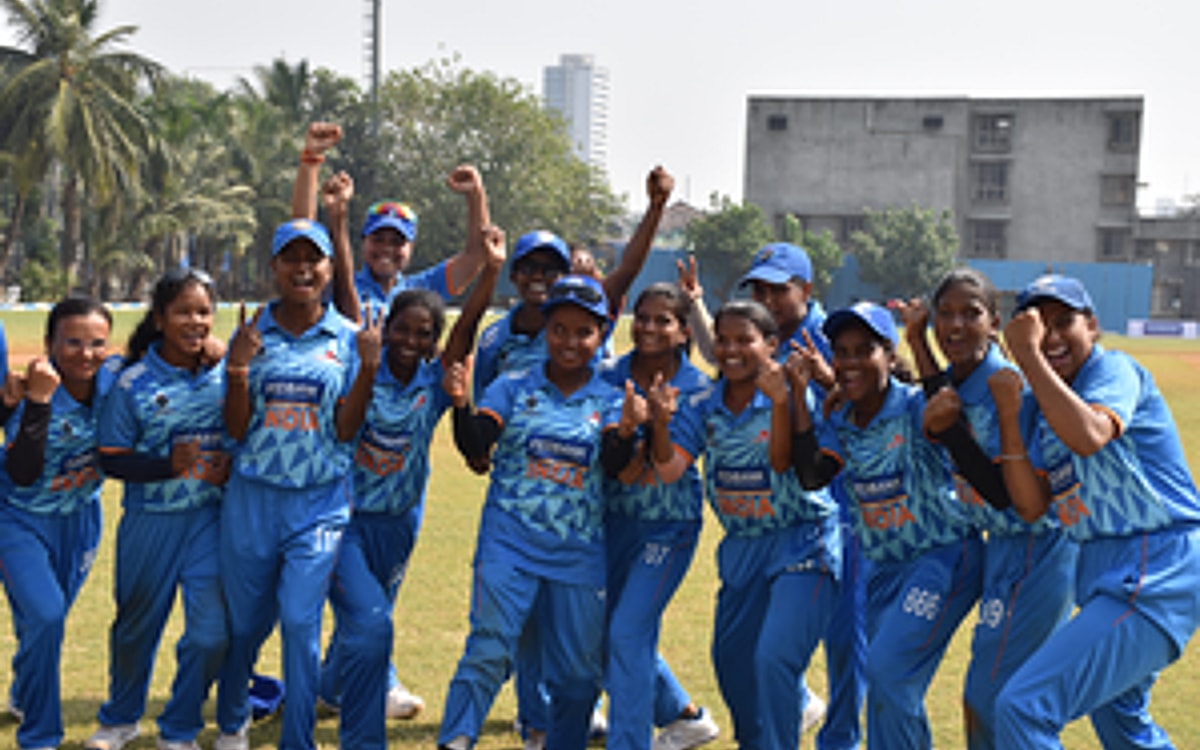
{"x":266,"y":694}
{"x":398,"y":216}
{"x":542,"y":240}
{"x":301,"y":229}
{"x":581,"y":291}
{"x":876,"y":318}
{"x":779,"y":263}
{"x":1064,"y":289}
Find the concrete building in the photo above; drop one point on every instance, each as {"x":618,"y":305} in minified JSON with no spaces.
{"x":578,"y":90}
{"x":1172,"y":245}
{"x":1050,"y":180}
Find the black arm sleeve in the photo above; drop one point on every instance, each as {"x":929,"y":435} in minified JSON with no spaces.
{"x":474,"y":434}
{"x":26,"y":456}
{"x":6,"y":411}
{"x":975,"y":465}
{"x":136,"y":467}
{"x":814,"y":468}
{"x":616,"y":452}
{"x":935,"y":383}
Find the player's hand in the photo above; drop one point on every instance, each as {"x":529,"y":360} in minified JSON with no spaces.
{"x":493,"y":245}
{"x":14,"y":388}
{"x":1006,"y":387}
{"x":941,"y":411}
{"x":689,"y":278}
{"x":212,"y":351}
{"x":454,"y":383}
{"x":663,"y":400}
{"x":247,"y":339}
{"x":772,"y":382}
{"x":217,"y":468}
{"x":41,"y":380}
{"x":321,"y":136}
{"x":634,"y":411}
{"x":185,"y":454}
{"x":659,"y":184}
{"x":834,"y":400}
{"x":914,"y":313}
{"x":370,"y":338}
{"x":1025,"y":331}
{"x":336,"y":193}
{"x":465,"y":180}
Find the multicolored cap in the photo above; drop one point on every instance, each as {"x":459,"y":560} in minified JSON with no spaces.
{"x":1064,"y":289}
{"x":301,"y":229}
{"x":581,"y":291}
{"x":398,"y":216}
{"x":877,"y":319}
{"x":779,"y":263}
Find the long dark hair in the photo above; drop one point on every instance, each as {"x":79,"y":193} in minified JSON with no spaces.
{"x":166,"y":290}
{"x":69,"y":307}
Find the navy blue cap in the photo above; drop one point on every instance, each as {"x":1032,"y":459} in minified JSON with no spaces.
{"x":581,"y":291}
{"x":301,"y":229}
{"x":542,"y":240}
{"x":779,"y":263}
{"x":1064,"y":289}
{"x":874,"y":317}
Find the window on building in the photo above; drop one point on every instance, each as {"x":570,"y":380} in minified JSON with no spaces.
{"x":1118,"y":189}
{"x":932,"y":122}
{"x":1114,"y":244}
{"x":1122,"y":131}
{"x":777,"y":122}
{"x":850,"y":225}
{"x":990,"y":183}
{"x":988,"y":239}
{"x":992,"y":133}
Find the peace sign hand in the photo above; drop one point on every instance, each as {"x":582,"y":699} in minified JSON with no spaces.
{"x":247,"y":340}
{"x":370,"y":338}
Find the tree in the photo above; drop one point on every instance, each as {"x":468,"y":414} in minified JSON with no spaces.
{"x":905,"y":250}
{"x":823,"y":250}
{"x":725,"y":239}
{"x":73,"y":94}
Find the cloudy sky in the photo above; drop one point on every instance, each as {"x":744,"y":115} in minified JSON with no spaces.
{"x":680,"y":72}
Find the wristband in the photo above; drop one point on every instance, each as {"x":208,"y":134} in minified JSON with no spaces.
{"x":311,"y":157}
{"x":1013,"y":457}
{"x":237,"y":370}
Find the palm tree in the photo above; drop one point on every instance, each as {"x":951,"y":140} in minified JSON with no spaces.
{"x":74,"y":93}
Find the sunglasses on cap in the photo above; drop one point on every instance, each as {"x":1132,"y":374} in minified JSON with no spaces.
{"x":575,"y":291}
{"x":180,"y":275}
{"x":393,"y":208}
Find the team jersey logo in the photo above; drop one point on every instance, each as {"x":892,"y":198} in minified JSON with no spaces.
{"x":210,"y":445}
{"x":743,"y":492}
{"x":558,"y":460}
{"x":76,"y":472}
{"x":883,"y":502}
{"x":292,"y":405}
{"x":382,"y":453}
{"x":1064,"y":494}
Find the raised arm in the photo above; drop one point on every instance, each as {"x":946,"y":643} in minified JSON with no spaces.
{"x":335,"y":199}
{"x":320,"y":137}
{"x":916,"y":323}
{"x":353,"y":409}
{"x":1029,"y":490}
{"x":773,"y":383}
{"x":659,"y":184}
{"x":466,"y":181}
{"x":246,"y":342}
{"x":462,"y":335}
{"x":699,"y":321}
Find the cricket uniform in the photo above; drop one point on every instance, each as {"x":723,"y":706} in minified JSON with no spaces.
{"x":779,"y":562}
{"x":169,"y":537}
{"x":391,"y":472}
{"x":1133,"y":507}
{"x":651,"y":530}
{"x":539,"y":555}
{"x":1028,"y":569}
{"x":436,"y":279}
{"x":925,"y":559}
{"x":286,"y":505}
{"x":49,"y":533}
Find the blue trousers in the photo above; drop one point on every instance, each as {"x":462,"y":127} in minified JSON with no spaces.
{"x":156,"y":553}
{"x":44,"y":560}
{"x":646,"y":563}
{"x":769,"y":619}
{"x":913,"y":609}
{"x":846,"y":651}
{"x":370,"y":568}
{"x":503,"y":599}
{"x":278,"y":548}
{"x":1139,"y":603}
{"x":1028,"y":592}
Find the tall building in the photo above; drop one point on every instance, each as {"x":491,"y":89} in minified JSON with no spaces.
{"x":578,"y":90}
{"x":1050,"y":179}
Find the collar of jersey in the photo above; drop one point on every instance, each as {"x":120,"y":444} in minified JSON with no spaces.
{"x":894,"y":404}
{"x":424,"y":374}
{"x":330,"y":322}
{"x":974,"y":390}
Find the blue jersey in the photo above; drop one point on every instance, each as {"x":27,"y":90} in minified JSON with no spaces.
{"x":546,"y":473}
{"x":501,"y":350}
{"x":900,"y":482}
{"x":812,"y":322}
{"x":71,"y":476}
{"x":391,"y":462}
{"x":435,"y":278}
{"x":154,"y":405}
{"x":649,"y":499}
{"x":3,"y":354}
{"x":1139,"y":481}
{"x":980,"y":411}
{"x":296,"y":383}
{"x":749,"y":497}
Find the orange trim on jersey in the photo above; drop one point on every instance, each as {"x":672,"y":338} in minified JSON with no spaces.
{"x":115,"y":451}
{"x":688,"y":457}
{"x":835,"y":457}
{"x":1116,"y":420}
{"x":493,"y":415}
{"x":450,"y":279}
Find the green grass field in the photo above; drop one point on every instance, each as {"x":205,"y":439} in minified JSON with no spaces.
{"x":431,"y":615}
